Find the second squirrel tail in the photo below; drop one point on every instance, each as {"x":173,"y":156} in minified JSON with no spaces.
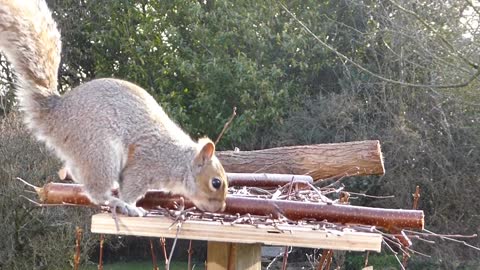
{"x":31,"y":42}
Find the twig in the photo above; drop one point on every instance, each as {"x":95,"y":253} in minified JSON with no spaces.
{"x":326,"y":254}
{"x":435,"y":31}
{"x":32,"y":201}
{"x":190,"y":252}
{"x":329,"y":261}
{"x":421,"y":239}
{"x":154,"y":258}
{"x":100,"y":256}
{"x":27,"y":183}
{"x":234,"y":113}
{"x":378,"y":76}
{"x":323,"y":198}
{"x":430,"y":234}
{"x":179,"y":225}
{"x":372,"y":196}
{"x":285,"y":258}
{"x":396,"y":243}
{"x":164,"y":248}
{"x":366,"y":259}
{"x":416,"y":196}
{"x":274,"y":260}
{"x":419,"y":253}
{"x":76,"y":257}
{"x":395,"y":254}
{"x":454,"y":240}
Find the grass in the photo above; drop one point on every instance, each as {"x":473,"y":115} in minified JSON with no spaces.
{"x":137,"y":266}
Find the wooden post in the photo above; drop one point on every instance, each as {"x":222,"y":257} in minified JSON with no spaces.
{"x":233,"y":256}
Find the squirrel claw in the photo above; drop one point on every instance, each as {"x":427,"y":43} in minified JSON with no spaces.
{"x":118,"y":206}
{"x":125,"y":209}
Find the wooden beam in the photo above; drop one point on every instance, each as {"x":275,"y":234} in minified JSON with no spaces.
{"x":233,"y":256}
{"x":320,"y":161}
{"x":290,"y":235}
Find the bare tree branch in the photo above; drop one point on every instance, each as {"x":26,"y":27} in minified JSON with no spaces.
{"x":435,"y":31}
{"x":378,"y":76}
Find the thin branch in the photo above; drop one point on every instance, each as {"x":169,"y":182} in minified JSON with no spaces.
{"x":190,"y":253}
{"x":454,"y":240}
{"x":154,"y":258}
{"x":227,"y":124}
{"x":279,"y":255}
{"x":430,"y":234}
{"x":395,"y":254}
{"x":76,"y":257}
{"x":27,"y":183}
{"x":378,"y":76}
{"x":435,"y":31}
{"x":416,"y":196}
{"x":100,"y":256}
{"x":179,"y":226}
{"x":473,"y":7}
{"x":372,"y":196}
{"x":164,"y":248}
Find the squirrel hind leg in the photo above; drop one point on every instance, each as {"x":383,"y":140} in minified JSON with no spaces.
{"x":101,"y":192}
{"x":98,"y":175}
{"x":132,"y":184}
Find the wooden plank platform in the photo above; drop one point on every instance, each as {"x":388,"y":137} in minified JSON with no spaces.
{"x":298,"y":236}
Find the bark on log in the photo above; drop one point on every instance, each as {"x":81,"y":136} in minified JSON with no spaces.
{"x":243,"y":179}
{"x":391,"y":219}
{"x":265,"y":179}
{"x":320,"y":161}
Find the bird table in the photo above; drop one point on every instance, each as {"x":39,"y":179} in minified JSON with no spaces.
{"x":238,"y":246}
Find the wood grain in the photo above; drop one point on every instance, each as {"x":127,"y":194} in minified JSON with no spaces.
{"x":320,"y":161}
{"x":233,"y":256}
{"x":298,"y":236}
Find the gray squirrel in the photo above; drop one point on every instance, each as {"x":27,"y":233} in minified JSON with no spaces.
{"x":105,"y":130}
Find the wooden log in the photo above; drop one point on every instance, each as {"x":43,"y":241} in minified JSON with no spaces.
{"x":390,"y":219}
{"x":265,"y":179}
{"x":242,"y":179}
{"x":320,"y":161}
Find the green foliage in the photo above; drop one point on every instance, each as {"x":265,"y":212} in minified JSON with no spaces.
{"x":378,"y":261}
{"x":203,"y":60}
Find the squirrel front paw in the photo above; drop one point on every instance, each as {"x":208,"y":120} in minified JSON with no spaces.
{"x":119,"y":206}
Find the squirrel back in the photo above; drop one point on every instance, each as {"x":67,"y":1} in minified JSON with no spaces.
{"x":106,"y":130}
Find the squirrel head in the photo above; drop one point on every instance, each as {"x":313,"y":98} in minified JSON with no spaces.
{"x":210,"y":179}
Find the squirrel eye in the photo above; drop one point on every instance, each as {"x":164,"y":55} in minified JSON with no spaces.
{"x":216,"y":183}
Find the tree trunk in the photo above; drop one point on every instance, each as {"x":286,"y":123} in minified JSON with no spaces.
{"x":320,"y":161}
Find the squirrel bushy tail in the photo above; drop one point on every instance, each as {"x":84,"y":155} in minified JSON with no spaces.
{"x":31,"y":42}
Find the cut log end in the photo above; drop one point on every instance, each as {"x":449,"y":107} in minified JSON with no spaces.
{"x":380,"y":159}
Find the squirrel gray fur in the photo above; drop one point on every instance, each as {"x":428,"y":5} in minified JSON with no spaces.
{"x":105,"y":130}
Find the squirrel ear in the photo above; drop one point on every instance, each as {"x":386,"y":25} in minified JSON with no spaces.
{"x":208,"y":149}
